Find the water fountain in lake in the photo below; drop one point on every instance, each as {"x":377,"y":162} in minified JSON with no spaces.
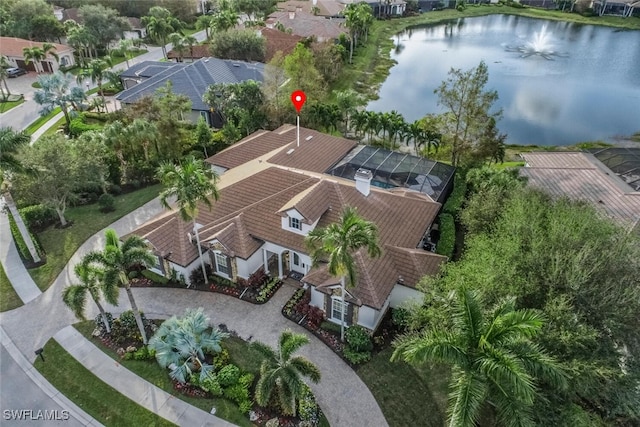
{"x":540,"y":46}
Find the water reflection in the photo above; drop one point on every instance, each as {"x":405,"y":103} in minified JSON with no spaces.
{"x":590,"y":90}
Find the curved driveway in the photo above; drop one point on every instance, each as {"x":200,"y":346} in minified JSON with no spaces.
{"x":343,"y":397}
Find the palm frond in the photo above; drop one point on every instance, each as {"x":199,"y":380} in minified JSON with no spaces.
{"x":290,"y":342}
{"x":517,"y":324}
{"x":465,"y":399}
{"x":264,"y":388}
{"x":438,"y":346}
{"x":511,"y":412}
{"x":507,"y":372}
{"x":539,"y":364}
{"x":467,"y":313}
{"x":306,"y":368}
{"x":265,"y":351}
{"x":75,"y":297}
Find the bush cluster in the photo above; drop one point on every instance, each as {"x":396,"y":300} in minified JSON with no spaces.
{"x":447,"y":242}
{"x":107,"y":203}
{"x":228,"y":382}
{"x":78,"y":126}
{"x":195,"y":277}
{"x":308,"y":408}
{"x":125,"y":329}
{"x":456,"y":198}
{"x":155,"y":277}
{"x":359,"y":345}
{"x":38,"y":217}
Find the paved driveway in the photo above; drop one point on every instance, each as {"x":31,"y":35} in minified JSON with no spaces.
{"x":22,"y":84}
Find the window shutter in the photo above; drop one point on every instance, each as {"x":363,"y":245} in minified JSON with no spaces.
{"x":327,"y":299}
{"x":349,"y":315}
{"x":229,"y":267}
{"x":214,"y":265}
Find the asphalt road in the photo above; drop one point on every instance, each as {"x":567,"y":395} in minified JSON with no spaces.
{"x":20,"y":117}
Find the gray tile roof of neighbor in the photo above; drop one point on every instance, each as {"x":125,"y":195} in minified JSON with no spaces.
{"x":191,"y":79}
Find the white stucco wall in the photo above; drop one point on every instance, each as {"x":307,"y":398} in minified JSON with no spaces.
{"x":401,"y":294}
{"x":186,"y":271}
{"x":246,"y":267}
{"x":317,"y":298}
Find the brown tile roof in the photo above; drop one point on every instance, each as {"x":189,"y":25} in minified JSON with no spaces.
{"x":305,"y":24}
{"x":584,"y":178}
{"x":310,"y":203}
{"x":12,"y":46}
{"x":244,"y":151}
{"x":277,"y":41}
{"x":134,"y":22}
{"x":199,"y":51}
{"x":317,"y":151}
{"x":246,"y":215}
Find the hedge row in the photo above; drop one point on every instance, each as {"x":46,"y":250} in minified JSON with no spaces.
{"x":38,"y":217}
{"x":456,"y":198}
{"x":447,"y":241}
{"x":78,"y":126}
{"x":19,"y":241}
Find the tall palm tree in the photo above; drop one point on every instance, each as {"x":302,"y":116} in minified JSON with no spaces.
{"x":281,"y":372}
{"x":181,"y":343}
{"x":205,"y":22}
{"x":225,"y":19}
{"x":10,"y":143}
{"x":178,"y":45}
{"x":4,"y":64}
{"x":96,"y":72}
{"x":116,"y":260}
{"x":339,"y":242}
{"x":494,"y":359}
{"x":33,"y":54}
{"x":191,"y":183}
{"x":125,"y":48}
{"x":190,"y":42}
{"x":90,"y":277}
{"x":159,"y":24}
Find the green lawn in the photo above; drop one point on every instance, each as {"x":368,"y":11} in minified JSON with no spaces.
{"x":8,"y":297}
{"x":55,"y":127}
{"x":98,"y":399}
{"x":61,"y":244}
{"x":37,"y":123}
{"x":408,"y":396}
{"x":8,"y":105}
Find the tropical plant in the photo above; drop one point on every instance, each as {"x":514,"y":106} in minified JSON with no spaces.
{"x":339,"y":242}
{"x":56,"y":91}
{"x":225,"y":19}
{"x":495,"y":361}
{"x":4,"y":64}
{"x":205,"y":22}
{"x":117,"y":260}
{"x":96,"y":71}
{"x":191,"y":183}
{"x":281,"y":372}
{"x":10,"y":143}
{"x":181,"y":343}
{"x":125,"y":48}
{"x":159,"y":24}
{"x":90,"y":282}
{"x":38,"y":54}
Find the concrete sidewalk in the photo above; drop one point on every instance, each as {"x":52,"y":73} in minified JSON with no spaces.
{"x":15,"y":270}
{"x":129,"y":384}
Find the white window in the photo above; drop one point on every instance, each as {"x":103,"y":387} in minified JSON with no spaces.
{"x":295,"y":223}
{"x":221,"y":264}
{"x":296,"y":259}
{"x":337,"y":307}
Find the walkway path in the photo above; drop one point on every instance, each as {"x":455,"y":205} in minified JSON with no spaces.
{"x":129,"y":384}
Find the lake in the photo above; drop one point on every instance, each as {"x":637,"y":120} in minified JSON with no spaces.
{"x":559,"y":83}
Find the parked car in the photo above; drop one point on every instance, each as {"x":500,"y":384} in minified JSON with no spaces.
{"x":15,"y":72}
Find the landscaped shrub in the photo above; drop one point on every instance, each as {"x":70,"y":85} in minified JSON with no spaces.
{"x":456,"y":198}
{"x":356,"y":357}
{"x":267,"y":290}
{"x":107,"y":203}
{"x":77,"y":126}
{"x":447,"y":242}
{"x":211,"y":385}
{"x":195,"y":277}
{"x":400,"y":317}
{"x":221,"y":359}
{"x":99,"y":324}
{"x":228,"y":375}
{"x":37,"y":217}
{"x":125,"y":329}
{"x":239,"y":392}
{"x":19,"y":241}
{"x":155,"y":277}
{"x":358,"y":338}
{"x":330,"y":326}
{"x":258,"y":278}
{"x":308,"y":408}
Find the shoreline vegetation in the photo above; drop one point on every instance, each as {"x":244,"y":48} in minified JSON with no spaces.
{"x":372,"y":63}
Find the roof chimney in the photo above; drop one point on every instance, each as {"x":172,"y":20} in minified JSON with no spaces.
{"x":363,"y":181}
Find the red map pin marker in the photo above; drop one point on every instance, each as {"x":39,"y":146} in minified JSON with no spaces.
{"x":298,"y":98}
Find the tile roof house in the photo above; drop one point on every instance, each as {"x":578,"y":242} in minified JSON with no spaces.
{"x":581,"y":176}
{"x":12,"y":48}
{"x":191,"y":79}
{"x":272,"y":193}
{"x":305,"y":24}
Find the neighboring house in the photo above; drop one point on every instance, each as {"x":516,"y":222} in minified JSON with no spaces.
{"x":304,"y":24}
{"x":608,"y":178}
{"x":274,"y":191}
{"x":277,"y":41}
{"x":138,"y":31}
{"x":332,"y":8}
{"x":190,"y":55}
{"x":387,"y":7}
{"x":12,"y":48}
{"x":191,"y":79}
{"x":58,"y":12}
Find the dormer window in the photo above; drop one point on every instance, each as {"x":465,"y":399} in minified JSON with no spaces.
{"x":295,"y":223}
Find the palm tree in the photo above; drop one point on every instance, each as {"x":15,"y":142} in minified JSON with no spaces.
{"x":116,"y":260}
{"x":225,"y":19}
{"x":494,"y":359}
{"x":159,"y":24}
{"x":75,"y":296}
{"x":190,"y":41}
{"x":178,"y":45}
{"x":281,"y":372}
{"x":96,"y":71}
{"x":339,"y":242}
{"x":125,"y":48}
{"x":205,"y":22}
{"x":33,"y":54}
{"x":191,"y":183}
{"x":181,"y":343}
{"x":347,"y":101}
{"x":359,"y":121}
{"x":10,"y":143}
{"x":373,"y":124}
